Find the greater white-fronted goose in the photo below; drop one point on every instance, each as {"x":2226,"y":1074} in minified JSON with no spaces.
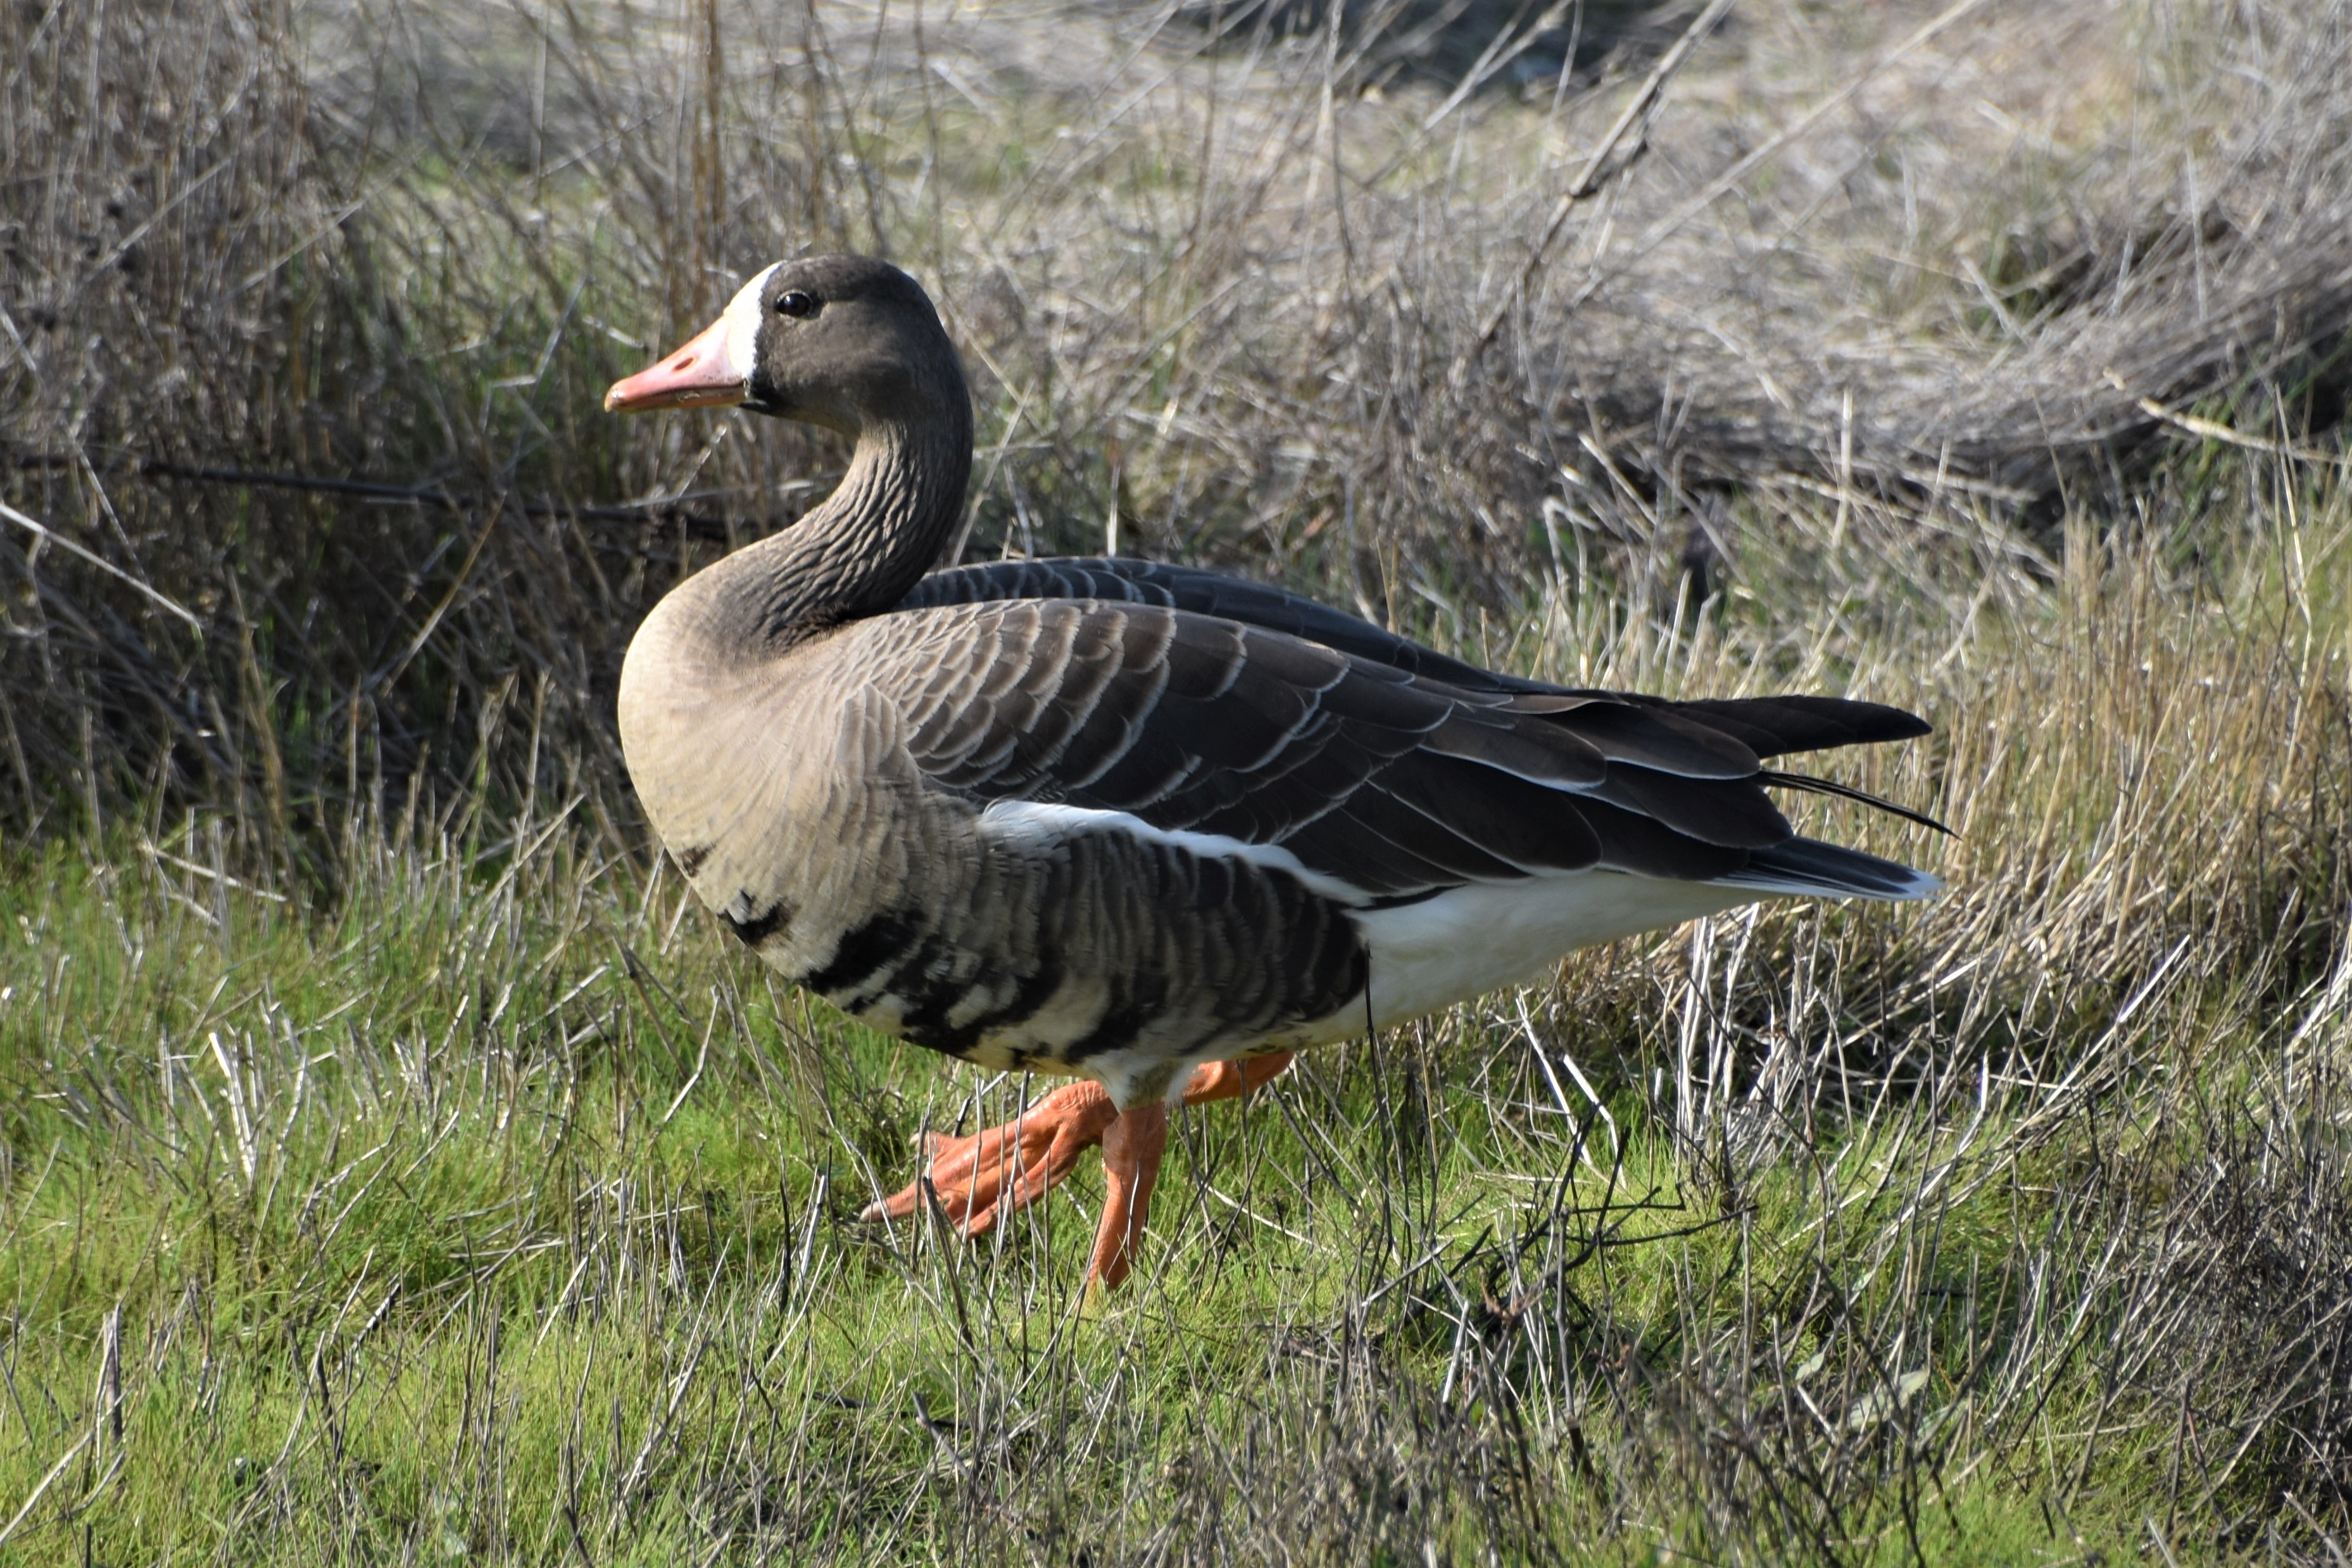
{"x":1140,"y":824}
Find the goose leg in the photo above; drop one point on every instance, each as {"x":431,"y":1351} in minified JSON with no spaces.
{"x":1231,"y":1080}
{"x":1131,"y":1150}
{"x":984,"y":1176}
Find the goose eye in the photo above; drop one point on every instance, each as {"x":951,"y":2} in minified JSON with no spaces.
{"x":792,"y":302}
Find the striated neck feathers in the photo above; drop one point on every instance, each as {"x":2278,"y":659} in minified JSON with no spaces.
{"x":858,"y":552}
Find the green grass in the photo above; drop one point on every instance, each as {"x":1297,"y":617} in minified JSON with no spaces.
{"x":494,"y":1209}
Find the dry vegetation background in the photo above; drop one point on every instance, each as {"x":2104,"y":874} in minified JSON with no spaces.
{"x":393,"y":1169}
{"x":1264,"y":308}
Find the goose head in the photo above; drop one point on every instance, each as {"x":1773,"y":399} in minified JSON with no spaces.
{"x":843,"y":341}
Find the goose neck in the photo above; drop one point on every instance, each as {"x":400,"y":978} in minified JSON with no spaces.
{"x":858,"y":552}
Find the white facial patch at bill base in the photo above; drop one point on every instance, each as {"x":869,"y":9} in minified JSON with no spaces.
{"x":741,"y":318}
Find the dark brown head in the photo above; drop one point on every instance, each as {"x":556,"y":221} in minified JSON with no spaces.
{"x":843,"y":341}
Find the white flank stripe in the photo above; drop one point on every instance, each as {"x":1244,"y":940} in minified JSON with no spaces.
{"x":1034,"y":823}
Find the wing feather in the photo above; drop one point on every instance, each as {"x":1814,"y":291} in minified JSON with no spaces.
{"x":1391,"y":780}
{"x":1201,"y":592}
{"x":1657,"y":737}
{"x":1735,"y":813}
{"x":1541,"y":753}
{"x":1774,"y":727}
{"x":1767,"y":726}
{"x":1525,"y":823}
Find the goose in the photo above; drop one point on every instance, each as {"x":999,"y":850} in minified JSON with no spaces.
{"x":1145,"y":825}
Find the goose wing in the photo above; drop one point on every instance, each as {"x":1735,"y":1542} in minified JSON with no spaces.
{"x":1120,"y":579}
{"x":1390,"y":783}
{"x":1769,"y":726}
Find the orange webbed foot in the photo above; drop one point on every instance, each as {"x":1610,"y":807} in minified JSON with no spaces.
{"x":984,"y":1176}
{"x":979,"y":1178}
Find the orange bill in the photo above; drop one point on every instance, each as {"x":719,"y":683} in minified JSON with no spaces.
{"x":703,"y":372}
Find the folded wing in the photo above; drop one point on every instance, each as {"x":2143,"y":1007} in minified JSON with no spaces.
{"x":1392,"y":782}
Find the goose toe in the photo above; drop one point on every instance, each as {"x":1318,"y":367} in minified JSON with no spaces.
{"x":983,"y":1177}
